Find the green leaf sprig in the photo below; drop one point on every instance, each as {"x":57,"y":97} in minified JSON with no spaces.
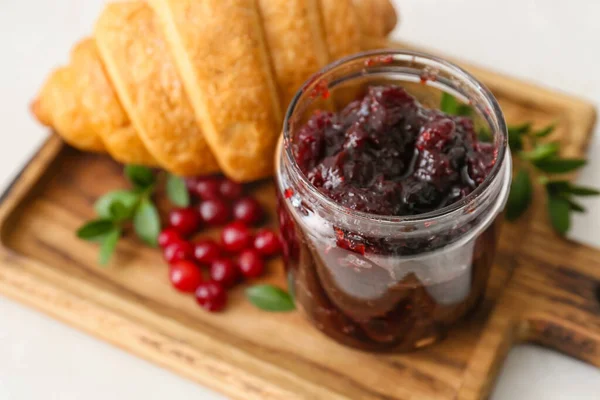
{"x":133,"y":207}
{"x":544,"y":159}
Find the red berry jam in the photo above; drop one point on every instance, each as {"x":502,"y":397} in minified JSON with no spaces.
{"x":363,"y":279}
{"x":386,"y":154}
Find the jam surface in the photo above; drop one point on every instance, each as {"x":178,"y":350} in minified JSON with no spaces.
{"x":386,"y":154}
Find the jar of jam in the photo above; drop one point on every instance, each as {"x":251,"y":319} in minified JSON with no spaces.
{"x":392,"y":172}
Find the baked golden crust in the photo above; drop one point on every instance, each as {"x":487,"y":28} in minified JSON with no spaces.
{"x":194,"y":86}
{"x":341,"y":24}
{"x":38,"y":107}
{"x":376,"y":17}
{"x":144,"y":75}
{"x":125,"y":146}
{"x":296,"y":42}
{"x":107,"y":118}
{"x":221,"y":54}
{"x":59,"y":104}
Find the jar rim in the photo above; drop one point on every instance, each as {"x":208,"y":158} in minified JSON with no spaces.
{"x":399,"y":55}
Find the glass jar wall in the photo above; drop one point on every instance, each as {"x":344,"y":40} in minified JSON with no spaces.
{"x":389,"y":282}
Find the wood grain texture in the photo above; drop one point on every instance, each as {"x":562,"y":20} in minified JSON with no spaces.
{"x":544,"y":289}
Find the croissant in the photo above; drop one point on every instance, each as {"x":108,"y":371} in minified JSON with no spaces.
{"x":199,"y":86}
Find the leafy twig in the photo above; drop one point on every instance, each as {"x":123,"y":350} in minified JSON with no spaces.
{"x":121,"y":208}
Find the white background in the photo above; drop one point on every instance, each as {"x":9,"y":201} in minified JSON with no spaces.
{"x":555,"y":43}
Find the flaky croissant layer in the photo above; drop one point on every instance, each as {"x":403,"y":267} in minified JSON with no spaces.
{"x":199,"y":86}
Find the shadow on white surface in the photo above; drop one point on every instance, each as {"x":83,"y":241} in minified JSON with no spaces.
{"x":535,"y":373}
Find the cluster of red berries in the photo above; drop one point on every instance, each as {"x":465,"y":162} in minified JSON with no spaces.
{"x":239,"y":254}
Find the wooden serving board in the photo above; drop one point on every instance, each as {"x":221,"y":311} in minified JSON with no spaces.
{"x":545,"y":289}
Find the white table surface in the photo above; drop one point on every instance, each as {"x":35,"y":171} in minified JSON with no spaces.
{"x":552,"y":42}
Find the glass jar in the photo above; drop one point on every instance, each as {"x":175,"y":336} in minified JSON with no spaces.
{"x":403,"y":281}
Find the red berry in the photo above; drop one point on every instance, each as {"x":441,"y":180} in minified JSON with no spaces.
{"x":207,"y":188}
{"x":184,"y":220}
{"x":224,"y":271}
{"x":190,"y":183}
{"x":251,"y":263}
{"x":206,"y":251}
{"x":230,"y":190}
{"x":247,"y":210}
{"x":236,"y":237}
{"x":211,"y":296}
{"x":267,"y":243}
{"x":185,"y":276}
{"x":178,"y":251}
{"x":168,"y":236}
{"x":214,"y":212}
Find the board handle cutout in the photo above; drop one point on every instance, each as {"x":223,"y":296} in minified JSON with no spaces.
{"x":563,"y":336}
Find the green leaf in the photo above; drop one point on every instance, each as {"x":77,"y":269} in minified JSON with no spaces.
{"x":140,"y":176}
{"x":575,"y":206}
{"x":465,"y":110}
{"x":118,"y":212}
{"x":270,"y":298}
{"x":485,"y":135}
{"x":559,"y":212}
{"x":95,"y":229}
{"x":127,"y":198}
{"x":109,"y":243}
{"x":559,"y":165}
{"x":521,"y":193}
{"x":545,"y":131}
{"x":520,"y":130}
{"x":448,"y":104}
{"x":515,"y":136}
{"x":177,"y":191}
{"x":515,"y":142}
{"x":146,"y":222}
{"x":541,"y":151}
{"x":557,"y":187}
{"x":582,"y":191}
